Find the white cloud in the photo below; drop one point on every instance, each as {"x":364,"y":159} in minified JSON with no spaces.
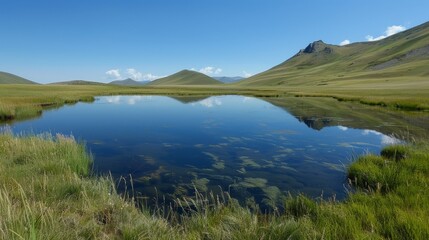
{"x":371,"y":38}
{"x":367,"y":131}
{"x":113,"y":74}
{"x":247,"y":99}
{"x":386,"y":140}
{"x":342,"y":128}
{"x":210,"y":102}
{"x":246,"y":74}
{"x":389,"y":32}
{"x":394,"y":30}
{"x":151,"y":77}
{"x":208,"y":70}
{"x":133,"y":99}
{"x":134,"y":74}
{"x":113,"y":99}
{"x":345,"y":42}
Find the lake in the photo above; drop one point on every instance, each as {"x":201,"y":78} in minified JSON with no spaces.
{"x":256,"y":149}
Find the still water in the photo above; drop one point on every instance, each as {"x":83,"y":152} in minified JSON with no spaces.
{"x":246,"y":146}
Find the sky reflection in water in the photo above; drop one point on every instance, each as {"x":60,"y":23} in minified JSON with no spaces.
{"x":244,"y":145}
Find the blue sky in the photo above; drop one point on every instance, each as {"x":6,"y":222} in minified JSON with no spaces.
{"x":57,"y":40}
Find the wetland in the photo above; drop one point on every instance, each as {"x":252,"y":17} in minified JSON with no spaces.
{"x":259,"y":150}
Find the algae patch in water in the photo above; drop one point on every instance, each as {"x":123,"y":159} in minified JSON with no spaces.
{"x":253,"y":183}
{"x":201,"y":184}
{"x":218,"y":163}
{"x":248,"y":162}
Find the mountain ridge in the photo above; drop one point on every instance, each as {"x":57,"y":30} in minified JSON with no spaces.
{"x":405,"y":54}
{"x":225,"y":79}
{"x":128,"y":82}
{"x":77,"y":82}
{"x":185,"y":77}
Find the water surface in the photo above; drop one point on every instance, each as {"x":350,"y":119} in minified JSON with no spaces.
{"x":247,"y":146}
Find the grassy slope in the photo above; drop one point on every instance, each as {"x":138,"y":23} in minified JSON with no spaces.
{"x":353,"y":72}
{"x":8,"y":78}
{"x":186,"y":77}
{"x":45,"y":194}
{"x":127,"y":82}
{"x":356,"y":65}
{"x":77,"y":82}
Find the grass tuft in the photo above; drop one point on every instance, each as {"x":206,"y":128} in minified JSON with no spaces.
{"x":395,"y":152}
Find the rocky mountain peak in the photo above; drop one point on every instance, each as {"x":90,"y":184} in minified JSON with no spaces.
{"x":316,"y":47}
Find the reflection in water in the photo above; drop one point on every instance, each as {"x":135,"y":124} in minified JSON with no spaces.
{"x":384,"y":139}
{"x":210,"y":102}
{"x":130,"y":100}
{"x":254,"y":150}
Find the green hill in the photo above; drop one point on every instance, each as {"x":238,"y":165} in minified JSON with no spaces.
{"x":397,"y":60}
{"x":8,"y":78}
{"x":77,"y":82}
{"x":185,"y":77}
{"x":128,"y":82}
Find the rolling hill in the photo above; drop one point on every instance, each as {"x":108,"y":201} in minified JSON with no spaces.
{"x":185,"y":77}
{"x":77,"y":82}
{"x":8,"y":78}
{"x":129,"y":82}
{"x":229,"y":79}
{"x":400,"y":59}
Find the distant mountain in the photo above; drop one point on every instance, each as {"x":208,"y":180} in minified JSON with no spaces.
{"x":77,"y":82}
{"x":8,"y":78}
{"x":228,"y":79}
{"x":400,"y":59}
{"x":129,"y":82}
{"x":185,"y":77}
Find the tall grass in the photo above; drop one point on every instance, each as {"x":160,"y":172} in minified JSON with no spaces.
{"x":46,"y":192}
{"x":392,"y":196}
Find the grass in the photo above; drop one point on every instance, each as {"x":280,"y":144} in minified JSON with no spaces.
{"x":46,"y":192}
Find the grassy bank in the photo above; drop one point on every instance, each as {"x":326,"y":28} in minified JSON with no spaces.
{"x":26,"y":101}
{"x":46,"y":193}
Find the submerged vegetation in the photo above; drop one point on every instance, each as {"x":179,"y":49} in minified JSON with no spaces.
{"x":47,"y":192}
